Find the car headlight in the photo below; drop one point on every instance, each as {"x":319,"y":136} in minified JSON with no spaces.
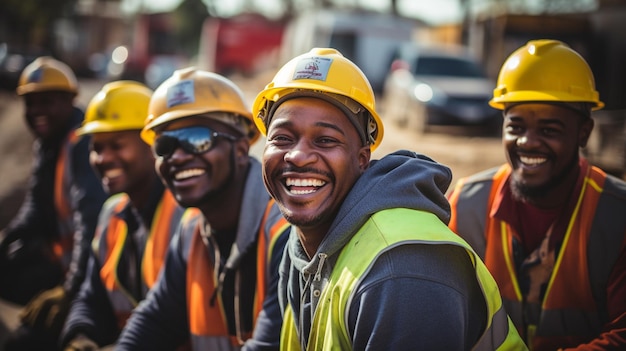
{"x":119,"y":55}
{"x":427,"y":94}
{"x":423,"y":92}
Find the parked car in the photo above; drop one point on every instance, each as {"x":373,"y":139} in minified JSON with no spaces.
{"x":438,"y":85}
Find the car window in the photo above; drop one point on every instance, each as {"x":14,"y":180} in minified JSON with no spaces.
{"x":447,"y":66}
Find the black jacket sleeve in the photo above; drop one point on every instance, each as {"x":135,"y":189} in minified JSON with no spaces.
{"x":36,"y":216}
{"x":91,"y":313}
{"x":419,"y":297}
{"x":87,"y":197}
{"x":269,"y":321}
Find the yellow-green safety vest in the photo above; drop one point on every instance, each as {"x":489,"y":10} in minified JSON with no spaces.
{"x":384,"y":231}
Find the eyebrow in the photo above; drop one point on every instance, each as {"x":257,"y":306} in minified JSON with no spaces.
{"x":287,"y":124}
{"x":542,"y":121}
{"x":331,"y":126}
{"x":552,"y":121}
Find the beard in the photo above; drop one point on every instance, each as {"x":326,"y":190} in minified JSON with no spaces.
{"x":525,"y":193}
{"x":299,"y":221}
{"x":212,"y":198}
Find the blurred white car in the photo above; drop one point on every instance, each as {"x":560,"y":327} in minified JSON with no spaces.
{"x":441,"y":85}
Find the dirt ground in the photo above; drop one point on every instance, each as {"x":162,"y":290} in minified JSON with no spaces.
{"x":463,"y":153}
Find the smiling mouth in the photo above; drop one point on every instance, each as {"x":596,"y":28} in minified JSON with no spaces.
{"x":532,"y":161}
{"x":297,"y":186}
{"x":112,"y":173}
{"x":188,"y":173}
{"x":41,"y":123}
{"x":40,"y":120}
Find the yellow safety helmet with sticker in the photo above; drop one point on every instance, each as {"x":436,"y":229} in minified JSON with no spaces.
{"x":193,"y":92}
{"x":47,"y":74}
{"x":326,"y":74}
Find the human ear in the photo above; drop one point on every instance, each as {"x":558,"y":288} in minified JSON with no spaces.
{"x":585,"y":131}
{"x":364,"y":156}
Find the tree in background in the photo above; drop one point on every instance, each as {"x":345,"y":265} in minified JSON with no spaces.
{"x":189,"y":17}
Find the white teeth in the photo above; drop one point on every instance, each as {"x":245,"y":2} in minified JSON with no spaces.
{"x":297,"y":182}
{"x":112,"y":173}
{"x":532,"y":161}
{"x":188,"y":173}
{"x":304,"y":182}
{"x":301,"y":192}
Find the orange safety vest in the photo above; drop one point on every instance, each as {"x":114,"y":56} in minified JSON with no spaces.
{"x":62,"y":246}
{"x":570,"y":315}
{"x":208,"y":322}
{"x":111,"y":245}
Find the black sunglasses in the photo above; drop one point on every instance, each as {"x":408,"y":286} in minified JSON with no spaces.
{"x":194,"y":140}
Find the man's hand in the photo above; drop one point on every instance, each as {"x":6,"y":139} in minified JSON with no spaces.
{"x":47,"y":311}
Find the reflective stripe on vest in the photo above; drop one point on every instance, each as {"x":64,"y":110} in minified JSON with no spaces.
{"x":568,"y":316}
{"x":266,"y":245}
{"x":62,"y":248}
{"x":165,"y":221}
{"x":207,"y":323}
{"x":384,"y":231}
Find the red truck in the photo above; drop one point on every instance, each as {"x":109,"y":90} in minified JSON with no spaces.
{"x":246,"y":43}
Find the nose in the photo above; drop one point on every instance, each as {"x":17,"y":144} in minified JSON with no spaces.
{"x":528,"y":140}
{"x":301,"y":154}
{"x":101,"y":157}
{"x":178,"y":156}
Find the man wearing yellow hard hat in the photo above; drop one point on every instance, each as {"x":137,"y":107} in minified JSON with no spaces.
{"x":43,"y":251}
{"x":218,"y":285}
{"x":135,"y":223}
{"x":370,"y":263}
{"x":550,"y":227}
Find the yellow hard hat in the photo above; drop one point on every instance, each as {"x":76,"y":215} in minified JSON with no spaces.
{"x":327,"y":73}
{"x":120,"y":105}
{"x":191,"y":92}
{"x":545,"y":70}
{"x":47,"y":74}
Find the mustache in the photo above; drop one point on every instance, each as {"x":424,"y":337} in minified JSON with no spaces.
{"x":294,"y":169}
{"x":530,"y":153}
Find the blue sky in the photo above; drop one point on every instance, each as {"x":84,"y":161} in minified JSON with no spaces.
{"x":430,"y":11}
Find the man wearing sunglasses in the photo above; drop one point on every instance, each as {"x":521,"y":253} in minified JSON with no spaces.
{"x":135,"y":223}
{"x":218,"y":285}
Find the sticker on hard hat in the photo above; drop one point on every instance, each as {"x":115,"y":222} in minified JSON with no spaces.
{"x":312,"y":68}
{"x":180,"y":93}
{"x":36,"y":76}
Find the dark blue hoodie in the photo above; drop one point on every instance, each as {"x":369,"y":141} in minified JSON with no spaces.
{"x":413,"y":296}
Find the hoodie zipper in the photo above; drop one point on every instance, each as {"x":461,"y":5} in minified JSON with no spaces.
{"x":317,"y":277}
{"x":318,"y":274}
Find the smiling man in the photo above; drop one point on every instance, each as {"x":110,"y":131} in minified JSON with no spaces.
{"x":44,"y":249}
{"x":218,"y":286}
{"x":370,"y":263}
{"x":135,"y":224}
{"x":562,"y":272}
